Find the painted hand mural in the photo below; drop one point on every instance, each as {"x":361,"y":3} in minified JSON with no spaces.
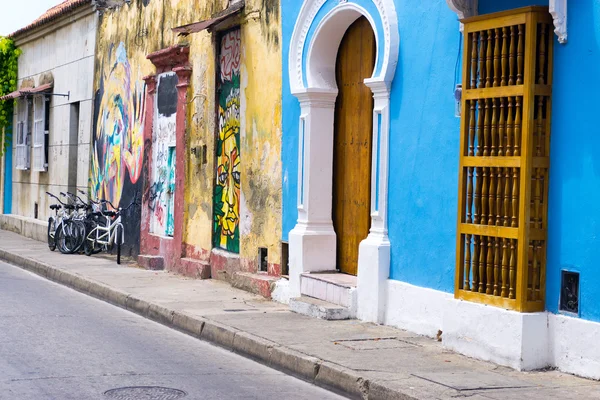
{"x":118,"y":136}
{"x":226,"y":201}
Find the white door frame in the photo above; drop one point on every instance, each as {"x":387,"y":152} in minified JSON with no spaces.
{"x":312,"y":58}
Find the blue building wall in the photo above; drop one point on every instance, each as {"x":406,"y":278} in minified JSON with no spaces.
{"x":424,"y":148}
{"x":8,"y":172}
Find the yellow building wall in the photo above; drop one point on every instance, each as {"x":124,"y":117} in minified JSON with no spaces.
{"x":144,"y":29}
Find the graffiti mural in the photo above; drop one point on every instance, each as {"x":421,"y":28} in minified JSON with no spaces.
{"x":226,"y":200}
{"x":162,"y":193}
{"x":117,"y":146}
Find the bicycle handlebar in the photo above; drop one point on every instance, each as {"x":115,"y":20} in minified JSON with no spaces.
{"x":51,"y":195}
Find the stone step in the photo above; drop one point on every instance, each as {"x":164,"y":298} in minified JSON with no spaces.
{"x":319,"y":309}
{"x":257,"y":283}
{"x":154,"y":263}
{"x":335,"y":288}
{"x":194,"y":268}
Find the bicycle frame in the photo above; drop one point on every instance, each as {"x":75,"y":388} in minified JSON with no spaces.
{"x":106,"y":235}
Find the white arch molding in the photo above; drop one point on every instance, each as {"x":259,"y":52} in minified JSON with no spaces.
{"x":312,"y":80}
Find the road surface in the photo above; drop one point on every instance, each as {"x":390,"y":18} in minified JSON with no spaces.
{"x":56,"y":343}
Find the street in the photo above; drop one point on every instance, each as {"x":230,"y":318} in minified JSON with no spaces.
{"x":56,"y":343}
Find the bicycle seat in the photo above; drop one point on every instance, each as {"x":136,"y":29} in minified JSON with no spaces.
{"x":69,"y":207}
{"x":55,"y":207}
{"x":110,"y":213}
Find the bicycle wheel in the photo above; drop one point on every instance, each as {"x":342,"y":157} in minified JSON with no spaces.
{"x":51,"y":241}
{"x":59,"y":238}
{"x":90,"y":246}
{"x":69,"y":237}
{"x":79,"y":234}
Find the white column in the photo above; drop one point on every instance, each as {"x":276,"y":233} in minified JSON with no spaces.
{"x":374,"y":251}
{"x":313,"y":241}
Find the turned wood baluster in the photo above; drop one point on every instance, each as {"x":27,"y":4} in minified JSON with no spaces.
{"x":467,"y":262}
{"x":482,"y":269}
{"x":497,"y":50}
{"x":482,"y":71}
{"x":494,"y":129}
{"x":542,"y":55}
{"x":500,"y":171}
{"x":517,"y":147}
{"x":489,"y":266}
{"x":486,"y":129}
{"x":505,"y":252}
{"x":476,"y":248}
{"x":497,"y":262}
{"x":474,"y":46}
{"x":499,"y":195}
{"x":515,"y":189}
{"x":501,"y":129}
{"x":513,"y":259}
{"x":489,"y":59}
{"x":511,"y":57}
{"x":504,"y":55}
{"x":478,"y":170}
{"x":507,"y":196}
{"x":520,"y":56}
{"x":515,"y":197}
{"x":535,"y":273}
{"x":492,"y":171}
{"x":539,"y":126}
{"x":486,"y":152}
{"x":509,"y":128}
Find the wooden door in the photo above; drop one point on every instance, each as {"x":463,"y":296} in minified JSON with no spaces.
{"x":352,"y":143}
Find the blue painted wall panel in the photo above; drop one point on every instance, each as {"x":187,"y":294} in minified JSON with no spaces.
{"x":424,"y":148}
{"x":290,"y":108}
{"x":574,"y":211}
{"x":8,"y":176}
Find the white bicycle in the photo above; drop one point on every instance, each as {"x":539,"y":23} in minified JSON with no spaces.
{"x":105,"y":230}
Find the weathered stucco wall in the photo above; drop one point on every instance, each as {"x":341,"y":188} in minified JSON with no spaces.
{"x":64,"y":52}
{"x":145,"y":26}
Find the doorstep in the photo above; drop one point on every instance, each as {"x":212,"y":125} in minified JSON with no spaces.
{"x":257,"y":283}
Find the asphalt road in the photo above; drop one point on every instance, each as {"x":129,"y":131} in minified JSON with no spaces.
{"x":56,"y":343}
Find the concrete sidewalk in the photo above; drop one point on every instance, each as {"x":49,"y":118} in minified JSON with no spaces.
{"x":357,"y":359}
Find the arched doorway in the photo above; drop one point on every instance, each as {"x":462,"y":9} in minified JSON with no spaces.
{"x":353,"y":130}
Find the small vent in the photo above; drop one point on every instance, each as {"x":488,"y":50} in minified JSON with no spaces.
{"x":35,"y":210}
{"x":569,"y":292}
{"x":285,"y":258}
{"x":262,"y":259}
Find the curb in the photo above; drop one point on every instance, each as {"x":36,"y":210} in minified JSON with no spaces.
{"x":311,"y":369}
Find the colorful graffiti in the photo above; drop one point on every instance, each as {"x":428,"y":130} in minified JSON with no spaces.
{"x":162,"y":189}
{"x":118,"y":138}
{"x":226,"y":200}
{"x":118,"y":146}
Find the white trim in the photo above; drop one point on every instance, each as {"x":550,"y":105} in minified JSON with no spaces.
{"x":39,"y":133}
{"x":558,"y":10}
{"x":313,"y":240}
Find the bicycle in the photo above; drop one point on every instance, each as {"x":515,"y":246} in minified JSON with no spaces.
{"x":109,"y":234}
{"x":61,"y":230}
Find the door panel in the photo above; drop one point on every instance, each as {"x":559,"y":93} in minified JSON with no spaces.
{"x":352,"y":143}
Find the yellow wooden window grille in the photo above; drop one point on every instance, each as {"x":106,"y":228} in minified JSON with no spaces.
{"x":504,"y":148}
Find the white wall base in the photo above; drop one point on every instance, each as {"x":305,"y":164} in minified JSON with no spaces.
{"x":524,"y":341}
{"x":414,"y":308}
{"x":373,"y":271}
{"x":311,"y":249}
{"x":29,"y":227}
{"x":574,"y":345}
{"x":281,"y":293}
{"x":517,"y":340}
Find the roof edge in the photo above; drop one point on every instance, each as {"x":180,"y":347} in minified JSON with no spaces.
{"x":51,"y":15}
